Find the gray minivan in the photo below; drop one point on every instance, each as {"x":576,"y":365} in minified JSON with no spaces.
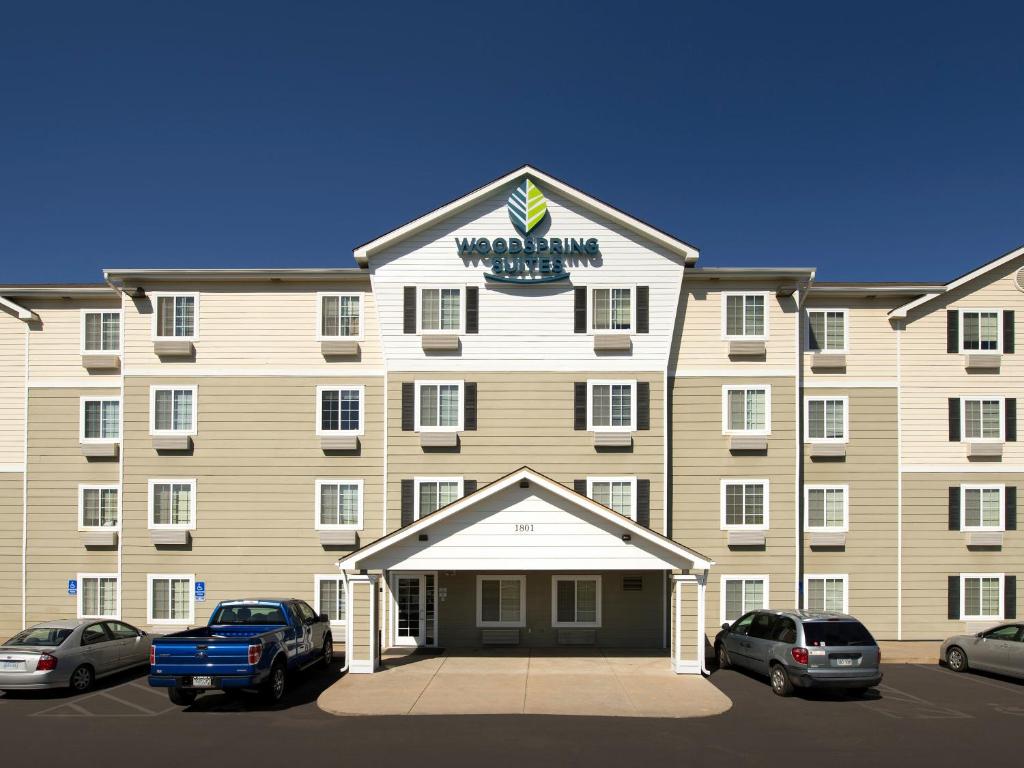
{"x":806,"y":649}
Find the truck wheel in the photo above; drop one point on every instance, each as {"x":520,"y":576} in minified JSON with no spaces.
{"x":272,"y":688}
{"x":181,"y":697}
{"x":327,"y":656}
{"x":781,"y":684}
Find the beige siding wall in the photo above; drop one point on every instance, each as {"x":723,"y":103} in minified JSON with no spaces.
{"x":56,"y":467}
{"x":870,"y":339}
{"x":362,"y":606}
{"x":12,"y":389}
{"x":11,"y":508}
{"x":55,"y":350}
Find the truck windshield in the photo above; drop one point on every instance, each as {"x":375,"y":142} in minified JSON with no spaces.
{"x":832,"y":633}
{"x":248,"y":615}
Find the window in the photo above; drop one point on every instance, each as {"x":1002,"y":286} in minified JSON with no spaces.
{"x":826,"y":593}
{"x":176,"y":316}
{"x":121,"y":631}
{"x":826,"y":330}
{"x":99,"y":596}
{"x":826,"y":419}
{"x":747,"y":410}
{"x":98,"y":507}
{"x":744,"y":315}
{"x":432,"y":493}
{"x":745,"y":504}
{"x":172,"y":504}
{"x":575,"y":601}
{"x":612,"y":406}
{"x":101,"y":330}
{"x":501,"y":601}
{"x":981,"y":596}
{"x":1009,"y":634}
{"x":172,"y":410}
{"x":980,"y":330}
{"x":741,"y":594}
{"x":982,"y":418}
{"x":329,"y":598}
{"x":170,"y":599}
{"x":101,"y":419}
{"x":441,"y":310}
{"x":439,"y":406}
{"x":618,"y":493}
{"x":339,"y":505}
{"x":982,"y":507}
{"x":611,"y":309}
{"x":340,"y":410}
{"x":341,"y":316}
{"x":825,"y":508}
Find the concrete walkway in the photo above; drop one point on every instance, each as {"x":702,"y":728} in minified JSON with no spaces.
{"x":554,"y":681}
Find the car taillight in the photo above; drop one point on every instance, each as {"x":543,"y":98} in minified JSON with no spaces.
{"x":46,"y":662}
{"x":799,"y":655}
{"x":255,"y":651}
{"x":879,"y":655}
{"x":152,"y":655}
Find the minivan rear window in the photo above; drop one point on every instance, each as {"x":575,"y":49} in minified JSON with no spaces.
{"x":837,"y":633}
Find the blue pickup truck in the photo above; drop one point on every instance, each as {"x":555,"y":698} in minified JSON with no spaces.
{"x":247,"y":644}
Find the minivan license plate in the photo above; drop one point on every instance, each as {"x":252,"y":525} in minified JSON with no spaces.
{"x":844,"y":662}
{"x":204,"y":681}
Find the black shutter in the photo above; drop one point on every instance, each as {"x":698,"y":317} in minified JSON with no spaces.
{"x":643,"y":503}
{"x":580,"y":310}
{"x":579,"y":405}
{"x":1008,"y":331}
{"x":643,"y":309}
{"x":952,"y":331}
{"x":468,"y":487}
{"x":954,"y":419}
{"x":469,"y":406}
{"x":1010,"y":433}
{"x":409,"y":310}
{"x":408,"y":406}
{"x":643,"y":405}
{"x":953,"y":597}
{"x":472,"y":309}
{"x":580,"y":486}
{"x":1009,"y":597}
{"x":407,"y":493}
{"x":954,"y":507}
{"x":1010,"y":507}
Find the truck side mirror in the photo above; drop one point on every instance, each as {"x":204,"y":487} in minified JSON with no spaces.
{"x":324,"y":618}
{"x":726,"y":625}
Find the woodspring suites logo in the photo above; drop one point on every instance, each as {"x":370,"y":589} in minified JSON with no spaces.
{"x":529,"y":259}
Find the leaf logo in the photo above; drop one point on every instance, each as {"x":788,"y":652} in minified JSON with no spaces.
{"x":527,"y":206}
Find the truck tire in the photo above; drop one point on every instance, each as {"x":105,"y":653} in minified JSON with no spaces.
{"x":272,"y":689}
{"x":181,"y":697}
{"x":327,"y":654}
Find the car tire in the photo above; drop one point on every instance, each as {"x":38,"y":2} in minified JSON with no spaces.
{"x":724,"y":662}
{"x":779,"y":677}
{"x":327,"y":654}
{"x":956,"y":659}
{"x":272,"y":688}
{"x":181,"y":697}
{"x":82,"y":679}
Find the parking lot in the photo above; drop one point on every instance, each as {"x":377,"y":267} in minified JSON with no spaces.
{"x":921,"y":714}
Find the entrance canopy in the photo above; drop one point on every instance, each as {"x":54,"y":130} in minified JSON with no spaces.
{"x":524,"y":521}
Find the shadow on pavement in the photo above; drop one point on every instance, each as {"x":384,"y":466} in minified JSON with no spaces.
{"x":103,"y":684}
{"x":302,"y":688}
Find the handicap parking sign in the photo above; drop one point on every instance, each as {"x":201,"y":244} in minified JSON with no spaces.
{"x":200,"y":591}
{"x":72,"y":586}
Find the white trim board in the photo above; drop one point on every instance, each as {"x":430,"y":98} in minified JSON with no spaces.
{"x":325,"y":371}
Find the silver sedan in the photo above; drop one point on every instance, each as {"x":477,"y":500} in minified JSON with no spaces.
{"x":1000,"y":650}
{"x":70,"y":654}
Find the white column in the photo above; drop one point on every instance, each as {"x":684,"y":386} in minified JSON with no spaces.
{"x":688,"y":657}
{"x":362,"y":646}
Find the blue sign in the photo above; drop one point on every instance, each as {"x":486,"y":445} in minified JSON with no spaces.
{"x":72,"y":586}
{"x":200,"y":591}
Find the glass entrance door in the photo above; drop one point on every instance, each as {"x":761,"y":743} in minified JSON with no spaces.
{"x":415,"y":609}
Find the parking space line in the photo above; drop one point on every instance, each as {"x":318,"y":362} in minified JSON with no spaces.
{"x":148,"y":689}
{"x":998,"y":685}
{"x":920,"y":709}
{"x":127,"y":703}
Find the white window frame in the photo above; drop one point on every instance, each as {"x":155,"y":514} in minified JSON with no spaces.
{"x":120,"y":334}
{"x":555,"y":623}
{"x":337,"y":388}
{"x":417,"y":481}
{"x":591,"y":383}
{"x":591,"y":330}
{"x":725,"y":316}
{"x":631,"y":479}
{"x":963,"y":419}
{"x":320,"y":296}
{"x":189,"y":526}
{"x":480,"y":596}
{"x":461,"y":407}
{"x":150,"y":578}
{"x":155,"y":322}
{"x":192,"y":429}
{"x":727,"y":388}
{"x":727,"y":481}
{"x":844,"y":577}
{"x":1002,"y":596}
{"x":462,"y":310}
{"x":846,"y":330}
{"x":319,"y":526}
{"x":845,"y":527}
{"x":982,"y":487}
{"x":81,"y":419}
{"x":81,"y":577}
{"x":321,"y":577}
{"x":999,"y":331}
{"x":846,"y":419}
{"x":763,"y":578}
{"x":82,"y":488}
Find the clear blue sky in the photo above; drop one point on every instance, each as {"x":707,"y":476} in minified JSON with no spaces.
{"x":873,"y":140}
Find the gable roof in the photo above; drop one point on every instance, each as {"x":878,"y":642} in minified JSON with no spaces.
{"x":364,"y":252}
{"x":351,"y":561}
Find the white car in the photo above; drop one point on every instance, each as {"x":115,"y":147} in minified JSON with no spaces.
{"x":1000,"y":650}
